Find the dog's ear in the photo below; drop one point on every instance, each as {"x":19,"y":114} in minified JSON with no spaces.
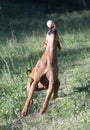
{"x":58,"y":44}
{"x":44,"y":45}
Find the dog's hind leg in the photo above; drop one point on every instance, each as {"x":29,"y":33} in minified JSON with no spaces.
{"x":56,"y":87}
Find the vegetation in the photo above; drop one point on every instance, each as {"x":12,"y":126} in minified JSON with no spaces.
{"x":22,"y":33}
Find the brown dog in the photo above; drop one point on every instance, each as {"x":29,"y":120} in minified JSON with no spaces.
{"x":45,"y":74}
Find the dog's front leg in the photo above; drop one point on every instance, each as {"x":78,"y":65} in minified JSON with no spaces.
{"x":29,"y":98}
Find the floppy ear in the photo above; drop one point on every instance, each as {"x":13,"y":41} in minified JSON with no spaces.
{"x":58,"y":44}
{"x":44,"y":45}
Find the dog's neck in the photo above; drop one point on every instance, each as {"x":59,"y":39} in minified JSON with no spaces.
{"x":51,"y":48}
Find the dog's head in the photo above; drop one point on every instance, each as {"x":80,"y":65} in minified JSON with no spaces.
{"x":52,"y":30}
{"x":52,"y":27}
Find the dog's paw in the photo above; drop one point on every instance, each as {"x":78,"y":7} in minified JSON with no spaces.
{"x":24,"y":112}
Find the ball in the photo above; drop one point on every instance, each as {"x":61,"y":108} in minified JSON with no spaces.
{"x":50,"y":24}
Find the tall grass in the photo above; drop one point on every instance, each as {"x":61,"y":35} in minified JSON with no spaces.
{"x":21,"y":37}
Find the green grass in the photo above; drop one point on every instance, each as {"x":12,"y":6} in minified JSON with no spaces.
{"x":21,"y":38}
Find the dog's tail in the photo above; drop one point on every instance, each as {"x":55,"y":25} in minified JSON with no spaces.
{"x":28,"y":71}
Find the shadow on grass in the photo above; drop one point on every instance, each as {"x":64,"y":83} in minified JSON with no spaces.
{"x":84,"y":88}
{"x":25,"y":19}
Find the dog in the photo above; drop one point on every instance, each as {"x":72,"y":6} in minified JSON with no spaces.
{"x":45,"y":74}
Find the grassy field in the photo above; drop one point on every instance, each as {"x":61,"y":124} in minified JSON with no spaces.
{"x":22,"y":32}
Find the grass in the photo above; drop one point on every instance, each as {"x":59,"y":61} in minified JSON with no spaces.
{"x":21,"y":37}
